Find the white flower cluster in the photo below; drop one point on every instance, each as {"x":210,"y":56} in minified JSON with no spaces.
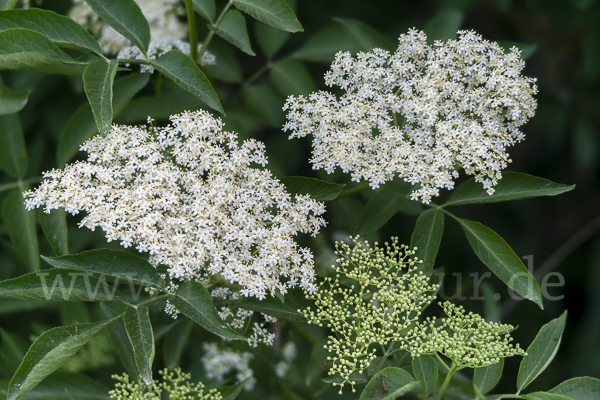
{"x":158,"y":47}
{"x":288,"y":353}
{"x":219,"y":362}
{"x":419,"y":112}
{"x":260,"y":333}
{"x":189,"y":195}
{"x":163,"y":17}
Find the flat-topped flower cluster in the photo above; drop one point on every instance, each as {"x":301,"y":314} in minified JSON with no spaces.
{"x":419,"y":113}
{"x":189,"y":195}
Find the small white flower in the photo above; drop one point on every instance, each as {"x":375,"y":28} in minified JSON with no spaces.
{"x":418,"y":112}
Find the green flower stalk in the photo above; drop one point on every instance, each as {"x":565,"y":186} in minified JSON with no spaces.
{"x":385,"y":299}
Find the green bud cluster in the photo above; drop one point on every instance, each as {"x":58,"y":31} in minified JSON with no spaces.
{"x":384,"y":298}
{"x":465,"y":338}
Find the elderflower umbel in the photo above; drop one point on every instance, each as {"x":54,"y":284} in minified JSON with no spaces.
{"x":176,"y":383}
{"x":386,"y":297}
{"x":466,"y":339}
{"x":418,"y":112}
{"x":167,"y":30}
{"x":189,"y":195}
{"x":219,"y":362}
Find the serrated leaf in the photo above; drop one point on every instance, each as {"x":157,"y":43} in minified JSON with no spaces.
{"x":233,"y":29}
{"x":497,"y":255}
{"x":317,"y":189}
{"x":60,"y":29}
{"x":119,"y":338}
{"x":12,"y":101}
{"x":20,"y":225}
{"x":82,"y":126}
{"x":175,"y":343}
{"x":426,"y":371}
{"x":291,"y":77}
{"x":54,"y":226}
{"x":294,"y":301}
{"x":270,"y":39}
{"x":13,"y":154}
{"x":545,"y":396}
{"x":526,"y":49}
{"x":427,"y":237}
{"x":512,"y":186}
{"x":541,"y":351}
{"x":206,"y":8}
{"x":232,"y":391}
{"x":365,"y":37}
{"x":31,"y":51}
{"x":98,"y":85}
{"x":139,"y":330}
{"x":126,"y":17}
{"x":49,"y":351}
{"x":272,"y":12}
{"x":53,"y":388}
{"x":396,"y":380}
{"x":184,"y":72}
{"x":383,"y":204}
{"x":59,"y":284}
{"x":116,"y":263}
{"x":486,"y":378}
{"x":194,"y":301}
{"x":581,"y":388}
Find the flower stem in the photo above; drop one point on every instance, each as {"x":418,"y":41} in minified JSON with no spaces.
{"x":191,"y":17}
{"x":211,"y":34}
{"x":453,"y":369}
{"x":153,"y":300}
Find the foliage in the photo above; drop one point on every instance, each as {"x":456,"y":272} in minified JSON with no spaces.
{"x":219,"y":238}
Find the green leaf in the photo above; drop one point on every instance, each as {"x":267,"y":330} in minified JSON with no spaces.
{"x":427,"y":237}
{"x":383,"y":204}
{"x":7,"y":4}
{"x":31,"y":51}
{"x":541,"y":351}
{"x":98,"y":84}
{"x":194,"y":301}
{"x":443,"y":25}
{"x":545,"y":396}
{"x":526,"y":49}
{"x":365,"y":37}
{"x":493,"y":251}
{"x":486,"y":378}
{"x":233,"y":29}
{"x":317,"y":189}
{"x":60,"y":29}
{"x":126,"y":17}
{"x":426,"y":371}
{"x":119,"y":338}
{"x":271,"y":12}
{"x":175,"y":343}
{"x":183,"y":71}
{"x":581,"y":388}
{"x":232,"y":391}
{"x":13,"y":154}
{"x":139,"y":330}
{"x":206,"y":8}
{"x":12,"y":350}
{"x":116,"y":263}
{"x":294,"y":300}
{"x":12,"y":101}
{"x":49,"y":351}
{"x":54,"y":226}
{"x":53,"y":388}
{"x":323,"y":45}
{"x":59,"y":284}
{"x":512,"y":186}
{"x":264,"y":101}
{"x":270,"y":39}
{"x":396,"y":380}
{"x":20,"y":225}
{"x":291,"y":77}
{"x":82,"y":125}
